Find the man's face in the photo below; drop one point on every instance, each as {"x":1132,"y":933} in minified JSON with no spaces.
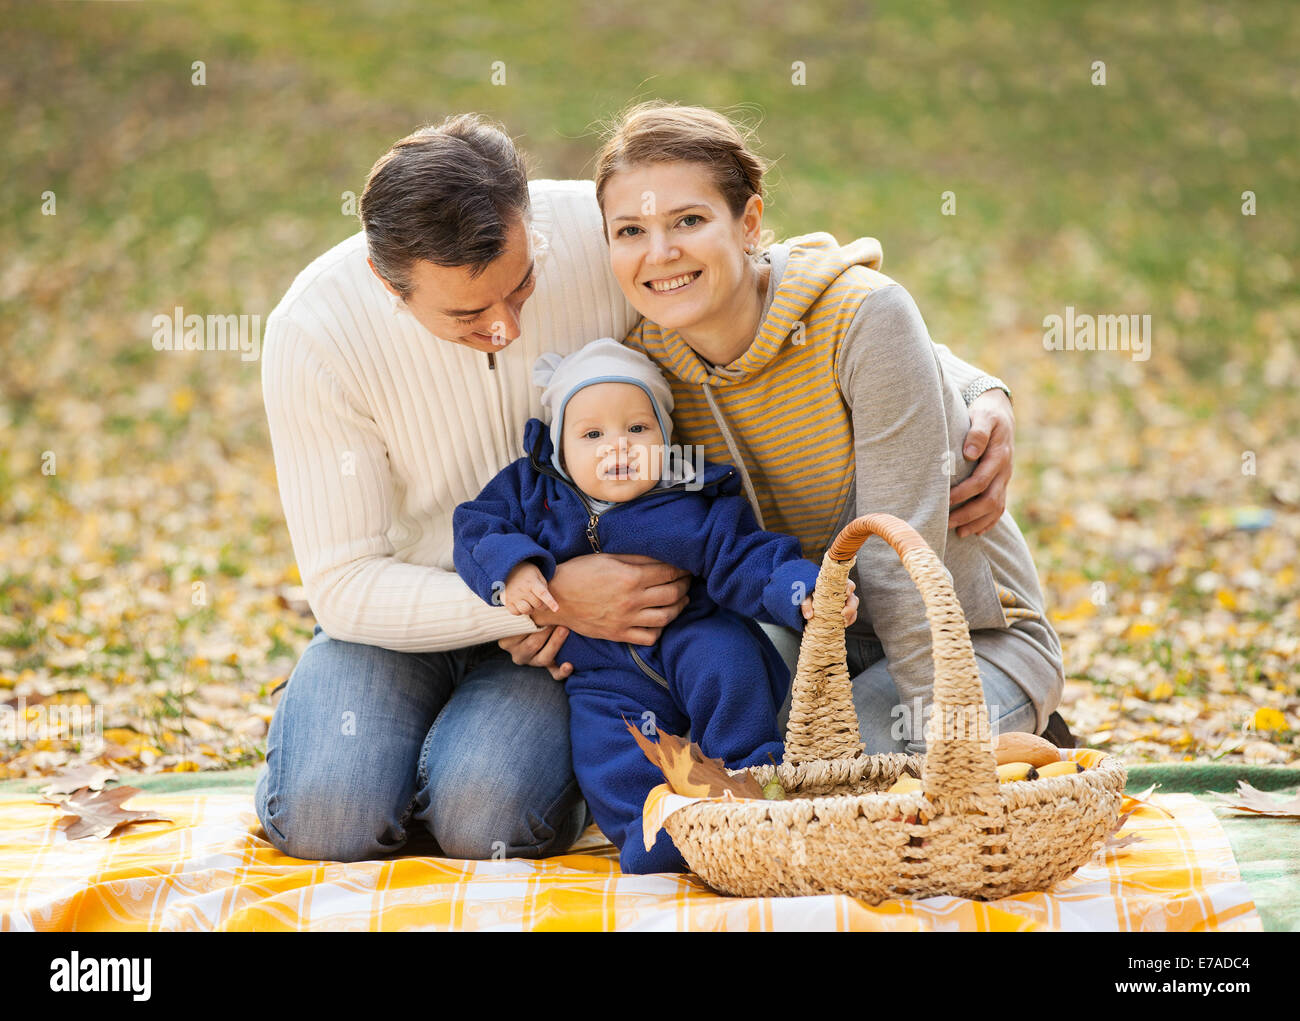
{"x":480,"y":312}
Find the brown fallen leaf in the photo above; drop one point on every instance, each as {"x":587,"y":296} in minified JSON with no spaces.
{"x":294,"y":597}
{"x":651,"y":750}
{"x":1251,"y":800}
{"x":89,"y":776}
{"x":689,"y":773}
{"x":1141,"y":799}
{"x":1114,"y":843}
{"x":99,"y":813}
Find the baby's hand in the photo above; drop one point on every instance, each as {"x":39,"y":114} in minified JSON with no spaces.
{"x":850,"y":605}
{"x":526,"y":590}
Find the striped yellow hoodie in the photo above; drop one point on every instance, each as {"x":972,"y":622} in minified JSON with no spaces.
{"x":786,"y":427}
{"x":843,"y":405}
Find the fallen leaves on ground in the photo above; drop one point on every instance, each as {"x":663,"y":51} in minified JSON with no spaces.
{"x":1248,"y":799}
{"x":147,"y":572}
{"x":88,"y":777}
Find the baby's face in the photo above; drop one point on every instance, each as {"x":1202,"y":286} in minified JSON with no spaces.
{"x":613,"y":446}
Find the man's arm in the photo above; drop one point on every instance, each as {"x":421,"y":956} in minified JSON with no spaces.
{"x":964,"y":375}
{"x":980,"y":500}
{"x":336,"y":488}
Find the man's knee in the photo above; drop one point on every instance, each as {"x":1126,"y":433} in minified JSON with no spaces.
{"x":312,"y":818}
{"x":484,"y":825}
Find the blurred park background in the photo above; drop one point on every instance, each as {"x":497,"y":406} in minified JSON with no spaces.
{"x":146,"y":567}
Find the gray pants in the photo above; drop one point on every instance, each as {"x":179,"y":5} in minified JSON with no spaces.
{"x":885,"y":723}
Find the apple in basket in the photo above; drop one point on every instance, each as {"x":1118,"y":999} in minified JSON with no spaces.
{"x":907,"y":784}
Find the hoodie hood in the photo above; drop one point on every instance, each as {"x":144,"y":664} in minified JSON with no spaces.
{"x":816,"y":260}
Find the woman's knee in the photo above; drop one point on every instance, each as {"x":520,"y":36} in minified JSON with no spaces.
{"x":888,"y":725}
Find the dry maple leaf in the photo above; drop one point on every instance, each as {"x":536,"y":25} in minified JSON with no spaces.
{"x":689,"y":773}
{"x":99,"y":813}
{"x":1251,"y":800}
{"x":89,"y":776}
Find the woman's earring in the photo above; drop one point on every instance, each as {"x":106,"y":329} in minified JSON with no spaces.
{"x":749,"y":248}
{"x":399,"y":306}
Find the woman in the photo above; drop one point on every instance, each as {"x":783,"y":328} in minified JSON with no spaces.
{"x":814,"y":374}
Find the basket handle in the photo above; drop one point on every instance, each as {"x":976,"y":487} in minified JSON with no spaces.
{"x":823,"y":723}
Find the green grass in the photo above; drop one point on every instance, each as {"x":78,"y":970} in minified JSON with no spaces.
{"x":1119,"y":197}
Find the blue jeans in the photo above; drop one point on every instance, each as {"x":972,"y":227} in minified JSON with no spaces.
{"x":367,"y":742}
{"x":886,"y":725}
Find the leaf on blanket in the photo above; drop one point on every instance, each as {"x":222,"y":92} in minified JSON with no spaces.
{"x":1119,"y":823}
{"x":99,"y":813}
{"x":1251,"y":800}
{"x":1114,"y":843}
{"x":689,"y":773}
{"x":89,"y":776}
{"x":1141,"y":799}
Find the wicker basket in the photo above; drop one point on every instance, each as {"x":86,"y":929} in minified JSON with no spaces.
{"x":837,"y":832}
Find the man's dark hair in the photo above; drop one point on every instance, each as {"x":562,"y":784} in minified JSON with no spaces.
{"x":447,"y":194}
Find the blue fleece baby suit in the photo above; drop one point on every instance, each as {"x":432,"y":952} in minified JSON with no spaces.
{"x":713,"y":671}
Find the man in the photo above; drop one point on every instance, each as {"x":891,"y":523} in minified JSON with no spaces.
{"x":396,"y":373}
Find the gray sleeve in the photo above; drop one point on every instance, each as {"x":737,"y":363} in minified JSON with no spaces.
{"x":955,"y":370}
{"x":890,"y":380}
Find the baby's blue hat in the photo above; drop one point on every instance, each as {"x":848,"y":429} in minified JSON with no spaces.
{"x":602,"y":361}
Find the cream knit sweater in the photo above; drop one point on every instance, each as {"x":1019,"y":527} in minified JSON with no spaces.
{"x":379,"y":429}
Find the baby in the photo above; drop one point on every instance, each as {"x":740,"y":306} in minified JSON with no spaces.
{"x":604,"y":479}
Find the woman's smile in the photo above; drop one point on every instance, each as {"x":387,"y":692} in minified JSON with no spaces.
{"x":674,"y":285}
{"x":680,"y":255}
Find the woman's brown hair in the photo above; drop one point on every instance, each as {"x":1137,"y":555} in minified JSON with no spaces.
{"x":662,"y":132}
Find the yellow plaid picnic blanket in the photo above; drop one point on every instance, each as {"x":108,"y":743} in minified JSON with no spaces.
{"x":212,"y":869}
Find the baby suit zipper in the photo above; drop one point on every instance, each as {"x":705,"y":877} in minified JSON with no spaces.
{"x":594,"y":538}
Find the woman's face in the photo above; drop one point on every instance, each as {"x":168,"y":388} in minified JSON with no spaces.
{"x":677,"y":252}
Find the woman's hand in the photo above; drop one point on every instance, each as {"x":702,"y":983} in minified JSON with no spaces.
{"x":620,"y":598}
{"x":991,"y":441}
{"x":850,"y":605}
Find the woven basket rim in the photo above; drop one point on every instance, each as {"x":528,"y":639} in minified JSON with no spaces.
{"x":1039,"y":791}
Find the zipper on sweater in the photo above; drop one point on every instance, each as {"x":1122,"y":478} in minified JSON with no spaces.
{"x":593,"y":538}
{"x":645,"y":667}
{"x":593,"y":519}
{"x":496,"y":383}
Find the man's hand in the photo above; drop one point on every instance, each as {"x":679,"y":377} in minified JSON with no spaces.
{"x":991,"y":441}
{"x":617,"y":597}
{"x":539,"y":649}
